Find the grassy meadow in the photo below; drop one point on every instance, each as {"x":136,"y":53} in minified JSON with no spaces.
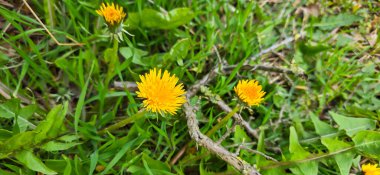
{"x":189,"y":87}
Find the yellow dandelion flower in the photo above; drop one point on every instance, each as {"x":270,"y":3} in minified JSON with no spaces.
{"x":370,"y":169}
{"x":161,"y":94}
{"x":250,"y":92}
{"x":113,"y":14}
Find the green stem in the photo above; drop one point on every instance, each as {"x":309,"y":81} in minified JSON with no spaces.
{"x":223,"y":121}
{"x":114,"y":61}
{"x":122,"y":123}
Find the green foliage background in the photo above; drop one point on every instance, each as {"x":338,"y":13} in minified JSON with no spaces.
{"x":320,"y":117}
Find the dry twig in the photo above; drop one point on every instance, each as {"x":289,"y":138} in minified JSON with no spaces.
{"x":238,"y":119}
{"x":210,"y":145}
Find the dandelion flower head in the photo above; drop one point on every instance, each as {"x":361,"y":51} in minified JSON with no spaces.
{"x":113,"y":14}
{"x":250,"y":92}
{"x":370,"y":169}
{"x":161,"y":93}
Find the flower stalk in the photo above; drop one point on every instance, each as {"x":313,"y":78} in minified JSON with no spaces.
{"x":124,"y":122}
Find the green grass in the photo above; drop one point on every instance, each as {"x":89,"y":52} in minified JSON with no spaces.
{"x":335,"y":49}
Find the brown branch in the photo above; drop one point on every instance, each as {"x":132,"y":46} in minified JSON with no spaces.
{"x":266,"y":68}
{"x":238,"y":119}
{"x":192,"y":122}
{"x":131,"y":86}
{"x":210,"y":145}
{"x":270,"y":49}
{"x":204,"y":81}
{"x":225,"y":135}
{"x":258,"y":152}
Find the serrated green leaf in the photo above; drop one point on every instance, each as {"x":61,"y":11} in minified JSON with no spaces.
{"x":155,"y":166}
{"x":149,"y":18}
{"x":27,"y":158}
{"x":332,"y":22}
{"x":240,"y":136}
{"x":5,"y":134}
{"x":53,"y":124}
{"x":298,"y":153}
{"x":368,"y":142}
{"x":179,"y":51}
{"x":344,"y":159}
{"x":294,"y":146}
{"x":323,"y":129}
{"x":58,"y":146}
{"x":22,"y":140}
{"x":353,"y":125}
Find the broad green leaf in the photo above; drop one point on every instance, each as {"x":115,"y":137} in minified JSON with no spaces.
{"x":10,"y":108}
{"x":149,"y":18}
{"x":332,"y":22}
{"x":69,"y":138}
{"x":27,"y":158}
{"x":298,"y":153}
{"x":294,"y":146}
{"x":343,"y":159}
{"x":22,"y":140}
{"x":3,"y":172}
{"x":353,"y":125}
{"x":308,"y":49}
{"x":323,"y":129}
{"x":368,"y":142}
{"x":108,"y":55}
{"x":126,"y":52}
{"x":155,"y":166}
{"x":260,"y":147}
{"x":240,"y":136}
{"x":53,"y":125}
{"x":5,"y":134}
{"x":58,"y":146}
{"x":179,"y":50}
{"x":68,"y":168}
{"x":49,"y":128}
{"x":93,"y":161}
{"x":136,"y":54}
{"x":25,"y":113}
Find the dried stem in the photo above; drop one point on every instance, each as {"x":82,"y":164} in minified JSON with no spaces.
{"x":238,"y":118}
{"x":122,"y":123}
{"x":228,"y":132}
{"x":210,"y":145}
{"x":265,"y":68}
{"x":258,"y":152}
{"x":270,"y":49}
